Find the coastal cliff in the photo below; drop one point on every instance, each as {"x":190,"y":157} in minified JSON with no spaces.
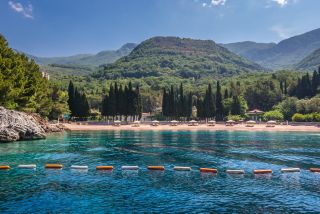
{"x":15,"y":125}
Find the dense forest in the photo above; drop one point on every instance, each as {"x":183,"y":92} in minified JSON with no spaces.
{"x":282,"y":95}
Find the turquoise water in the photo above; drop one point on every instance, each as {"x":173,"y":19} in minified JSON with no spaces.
{"x":67,"y":191}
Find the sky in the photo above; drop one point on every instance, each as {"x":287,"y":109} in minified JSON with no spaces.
{"x":68,"y":27}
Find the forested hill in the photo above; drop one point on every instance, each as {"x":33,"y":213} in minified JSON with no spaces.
{"x":103,"y":57}
{"x":179,"y":57}
{"x":285,"y":54}
{"x":311,"y":62}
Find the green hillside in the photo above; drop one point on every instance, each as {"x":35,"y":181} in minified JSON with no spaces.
{"x":311,"y":62}
{"x":285,"y":54}
{"x":185,"y":58}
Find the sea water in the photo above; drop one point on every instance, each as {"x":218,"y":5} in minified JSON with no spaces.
{"x":91,"y":191}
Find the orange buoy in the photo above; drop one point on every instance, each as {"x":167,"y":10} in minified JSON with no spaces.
{"x":5,"y":167}
{"x":262,"y":171}
{"x":53,"y":166}
{"x":208,"y":170}
{"x":104,"y":168}
{"x":315,"y":169}
{"x":156,"y":167}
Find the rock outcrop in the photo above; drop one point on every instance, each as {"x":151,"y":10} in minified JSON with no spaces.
{"x":15,"y":125}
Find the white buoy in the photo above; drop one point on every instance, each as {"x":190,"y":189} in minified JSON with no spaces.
{"x":290,"y":170}
{"x":235,"y":171}
{"x":129,"y":167}
{"x":31,"y":166}
{"x":182,"y":168}
{"x":79,"y":167}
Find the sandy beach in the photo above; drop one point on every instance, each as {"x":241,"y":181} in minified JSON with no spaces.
{"x":217,"y":127}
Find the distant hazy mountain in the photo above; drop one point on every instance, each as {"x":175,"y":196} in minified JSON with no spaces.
{"x":247,"y":49}
{"x":285,"y":54}
{"x":179,"y":57}
{"x":103,"y":57}
{"x":311,"y":62}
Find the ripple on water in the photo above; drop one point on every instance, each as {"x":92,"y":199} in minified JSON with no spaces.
{"x":70,"y":191}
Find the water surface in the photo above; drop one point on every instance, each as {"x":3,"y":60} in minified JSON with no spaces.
{"x":68,"y":191}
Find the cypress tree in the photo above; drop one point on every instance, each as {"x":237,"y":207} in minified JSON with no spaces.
{"x":315,"y":83}
{"x":281,"y":87}
{"x":181,"y":103}
{"x":226,"y":94}
{"x":189,"y":106}
{"x":71,"y":94}
{"x":104,"y":106}
{"x":165,"y":103}
{"x":285,"y":88}
{"x":137,"y":103}
{"x":219,"y":104}
{"x":171,"y":102}
{"x":235,"y":106}
{"x":112,"y":102}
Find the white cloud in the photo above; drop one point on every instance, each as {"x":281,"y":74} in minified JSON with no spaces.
{"x":214,"y":3}
{"x":218,"y":2}
{"x":282,"y":3}
{"x":26,"y":11}
{"x":282,"y":32}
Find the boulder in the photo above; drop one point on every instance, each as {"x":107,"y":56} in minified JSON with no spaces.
{"x":15,"y":125}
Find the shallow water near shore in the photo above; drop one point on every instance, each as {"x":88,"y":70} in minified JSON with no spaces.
{"x":72,"y":191}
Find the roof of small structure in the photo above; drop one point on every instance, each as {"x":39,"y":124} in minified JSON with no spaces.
{"x":255,"y":111}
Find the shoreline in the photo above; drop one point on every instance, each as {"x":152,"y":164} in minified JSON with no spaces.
{"x":184,"y":127}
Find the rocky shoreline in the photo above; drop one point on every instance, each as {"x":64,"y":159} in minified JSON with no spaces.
{"x":15,"y":125}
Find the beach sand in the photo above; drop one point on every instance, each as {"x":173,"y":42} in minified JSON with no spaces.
{"x":217,"y":127}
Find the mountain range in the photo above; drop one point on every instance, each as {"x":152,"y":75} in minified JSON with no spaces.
{"x":286,"y":54}
{"x":192,"y":58}
{"x":103,"y":57}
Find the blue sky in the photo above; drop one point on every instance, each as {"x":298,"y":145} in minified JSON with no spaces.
{"x":67,"y":27}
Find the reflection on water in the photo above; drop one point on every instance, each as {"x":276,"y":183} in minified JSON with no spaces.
{"x":88,"y":191}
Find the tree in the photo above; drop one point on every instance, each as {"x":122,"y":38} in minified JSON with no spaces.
{"x":288,"y":107}
{"x":235,"y":106}
{"x":273,"y":115}
{"x":71,"y":95}
{"x":22,"y":86}
{"x":219,"y":104}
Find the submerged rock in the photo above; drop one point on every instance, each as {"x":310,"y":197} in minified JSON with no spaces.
{"x":15,"y":125}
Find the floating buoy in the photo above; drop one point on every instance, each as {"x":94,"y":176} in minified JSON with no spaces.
{"x":31,"y":166}
{"x":208,"y":170}
{"x":315,"y":169}
{"x":262,"y":171}
{"x":129,"y":167}
{"x":79,"y":167}
{"x":53,"y":166}
{"x":156,"y":167}
{"x":182,"y":168}
{"x":235,"y":171}
{"x":104,"y":168}
{"x":290,"y":170}
{"x":4,"y":167}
